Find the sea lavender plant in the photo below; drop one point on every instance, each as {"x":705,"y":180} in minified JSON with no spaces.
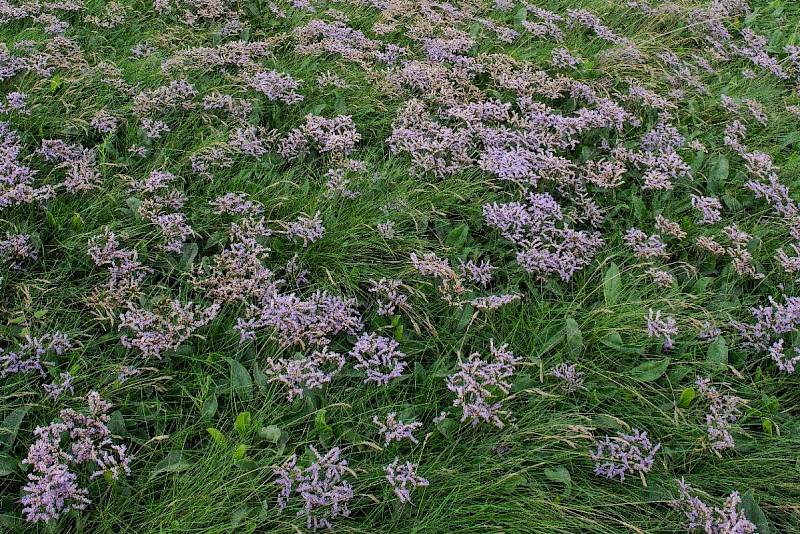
{"x":478,"y":381}
{"x":276,"y":86}
{"x":658,"y":327}
{"x":626,"y":453}
{"x":52,"y":487}
{"x":379,"y":358}
{"x":305,"y":372}
{"x":403,"y":477}
{"x":388,"y":296}
{"x":324,"y":493}
{"x":395,"y":429}
{"x":30,"y":355}
{"x":709,"y":207}
{"x":493,"y":302}
{"x":570,"y":376}
{"x":712,"y":520}
{"x":309,"y":229}
{"x":645,"y":247}
{"x":154,"y":333}
{"x":723,"y":411}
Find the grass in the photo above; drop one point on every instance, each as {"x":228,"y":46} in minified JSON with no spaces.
{"x":534,"y":476}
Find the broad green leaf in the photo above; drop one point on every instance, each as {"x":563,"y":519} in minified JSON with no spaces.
{"x":612,"y":285}
{"x":650,"y":370}
{"x":262,"y":380}
{"x":190,"y":251}
{"x":7,"y":465}
{"x":270,"y":433}
{"x":447,"y":427}
{"x":209,"y":408}
{"x":754,"y":513}
{"x":700,"y":286}
{"x":398,"y":333}
{"x":219,"y":437}
{"x":243,"y":423}
{"x":558,"y":474}
{"x":241,"y":381}
{"x":718,"y":351}
{"x":457,"y":236}
{"x":172,"y":463}
{"x":718,"y":175}
{"x":766,"y":425}
{"x":551,"y":337}
{"x":240,"y":451}
{"x":574,"y":337}
{"x":686,"y":398}
{"x":10,"y":427}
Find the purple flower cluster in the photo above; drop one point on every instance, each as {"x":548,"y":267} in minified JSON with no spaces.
{"x":293,"y":320}
{"x":276,"y":86}
{"x":477,"y":273}
{"x":235,"y":204}
{"x":395,"y":429}
{"x":30,"y":354}
{"x":570,"y":376}
{"x":52,"y":487}
{"x":379,"y":358}
{"x":336,"y":136}
{"x":16,"y":248}
{"x":451,"y":285}
{"x":324,"y":493}
{"x":723,"y":411}
{"x":712,"y":520}
{"x":309,"y":229}
{"x":478,"y":381}
{"x":709,"y":207}
{"x":548,"y":245}
{"x":626,"y":453}
{"x":104,"y":122}
{"x":403,"y":477}
{"x":645,"y":247}
{"x":154,"y":333}
{"x":305,"y":372}
{"x":388,"y":296}
{"x":125,"y":269}
{"x":658,"y":327}
{"x":493,"y":302}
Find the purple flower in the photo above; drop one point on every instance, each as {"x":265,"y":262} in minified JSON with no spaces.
{"x":52,"y":489}
{"x":305,"y":228}
{"x":55,"y":390}
{"x":626,"y":453}
{"x":478,"y":381}
{"x":480,"y":274}
{"x":403,"y":477}
{"x":395,"y":429}
{"x":388,"y":295}
{"x":658,"y":327}
{"x":493,"y":302}
{"x":154,"y":333}
{"x":104,"y":122}
{"x":276,"y":86}
{"x":723,"y":411}
{"x":324,"y":493}
{"x":386,"y":229}
{"x":563,"y":59}
{"x":30,"y":354}
{"x":305,"y":372}
{"x":702,"y":518}
{"x":710,"y":208}
{"x":568,"y":373}
{"x":379,"y":358}
{"x":645,"y":247}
